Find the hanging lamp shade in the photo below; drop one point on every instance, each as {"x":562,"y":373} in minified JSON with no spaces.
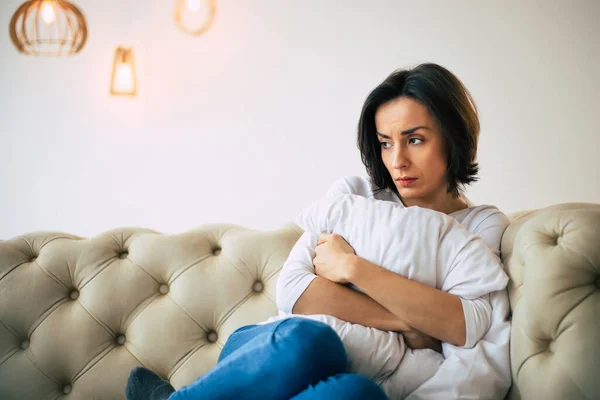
{"x":124,"y":79}
{"x":48,"y":28}
{"x":195,"y":16}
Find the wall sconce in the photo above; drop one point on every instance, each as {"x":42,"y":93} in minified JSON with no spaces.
{"x":124,"y":80}
{"x":48,"y":28}
{"x":195,"y":16}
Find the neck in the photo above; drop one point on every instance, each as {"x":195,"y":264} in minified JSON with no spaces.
{"x":445,"y":204}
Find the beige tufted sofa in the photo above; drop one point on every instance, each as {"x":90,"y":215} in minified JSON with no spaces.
{"x":76,"y":314}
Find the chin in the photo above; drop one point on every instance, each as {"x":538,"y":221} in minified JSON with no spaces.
{"x":408,"y":193}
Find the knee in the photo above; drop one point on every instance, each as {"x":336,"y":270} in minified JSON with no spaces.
{"x":362,"y":387}
{"x":313,"y":343}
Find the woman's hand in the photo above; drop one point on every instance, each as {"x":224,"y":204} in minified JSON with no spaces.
{"x":332,"y":254}
{"x":418,"y":340}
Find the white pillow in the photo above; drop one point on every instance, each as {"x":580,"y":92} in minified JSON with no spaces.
{"x":417,"y":243}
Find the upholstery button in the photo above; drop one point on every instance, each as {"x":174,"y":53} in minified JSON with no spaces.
{"x":74,"y":295}
{"x":163,"y":289}
{"x":67,"y":389}
{"x":33,"y":259}
{"x":216,"y":251}
{"x":212,"y":336}
{"x":121,"y":339}
{"x":258,"y":287}
{"x":25,"y":344}
{"x":123,"y":254}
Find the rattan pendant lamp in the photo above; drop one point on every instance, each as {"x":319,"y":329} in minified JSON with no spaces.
{"x":194,"y":16}
{"x":48,"y":28}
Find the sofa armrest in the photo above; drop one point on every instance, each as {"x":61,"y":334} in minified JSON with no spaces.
{"x":553,"y":259}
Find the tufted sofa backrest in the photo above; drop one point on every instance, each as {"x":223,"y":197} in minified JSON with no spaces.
{"x":77,"y":314}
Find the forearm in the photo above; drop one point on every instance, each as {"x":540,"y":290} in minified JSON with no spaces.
{"x":431,"y":311}
{"x":325,"y":297}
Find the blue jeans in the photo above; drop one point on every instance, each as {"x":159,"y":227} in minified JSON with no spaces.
{"x":295,"y":358}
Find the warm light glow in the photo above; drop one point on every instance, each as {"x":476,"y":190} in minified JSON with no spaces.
{"x":195,"y":16}
{"x":48,"y":13}
{"x":194,"y":5}
{"x":124,"y":81}
{"x":123,"y":78}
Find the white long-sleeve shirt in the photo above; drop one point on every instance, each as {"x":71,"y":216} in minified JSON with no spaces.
{"x":488,"y":223}
{"x":485,"y":221}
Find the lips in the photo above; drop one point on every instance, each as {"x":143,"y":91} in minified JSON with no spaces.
{"x":407,"y":181}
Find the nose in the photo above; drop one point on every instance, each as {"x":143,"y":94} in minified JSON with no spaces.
{"x":400,"y":158}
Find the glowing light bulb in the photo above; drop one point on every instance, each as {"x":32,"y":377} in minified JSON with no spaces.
{"x":48,"y":13}
{"x":195,"y":16}
{"x":124,"y":78}
{"x":194,"y":5}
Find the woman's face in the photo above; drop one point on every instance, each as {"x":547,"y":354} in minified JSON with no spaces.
{"x":413,"y":152}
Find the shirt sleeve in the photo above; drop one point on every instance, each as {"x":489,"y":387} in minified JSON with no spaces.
{"x":298,"y":271}
{"x":478,"y":311}
{"x":341,"y":186}
{"x":491,"y":229}
{"x":477,"y":319}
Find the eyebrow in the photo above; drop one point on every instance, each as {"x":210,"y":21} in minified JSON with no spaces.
{"x":406,"y":132}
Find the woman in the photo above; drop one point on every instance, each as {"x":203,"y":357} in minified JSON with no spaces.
{"x":417,"y":136}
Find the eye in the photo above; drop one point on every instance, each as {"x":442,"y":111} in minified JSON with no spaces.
{"x":385,"y":145}
{"x":415,"y":140}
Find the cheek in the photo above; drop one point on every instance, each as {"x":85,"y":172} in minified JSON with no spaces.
{"x":439,"y":163}
{"x":440,"y":169}
{"x":385,"y":157}
{"x":435,"y":164}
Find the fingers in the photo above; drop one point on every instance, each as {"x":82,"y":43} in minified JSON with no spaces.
{"x":324,"y":237}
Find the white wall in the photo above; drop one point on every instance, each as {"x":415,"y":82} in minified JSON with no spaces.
{"x":253,"y":121}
